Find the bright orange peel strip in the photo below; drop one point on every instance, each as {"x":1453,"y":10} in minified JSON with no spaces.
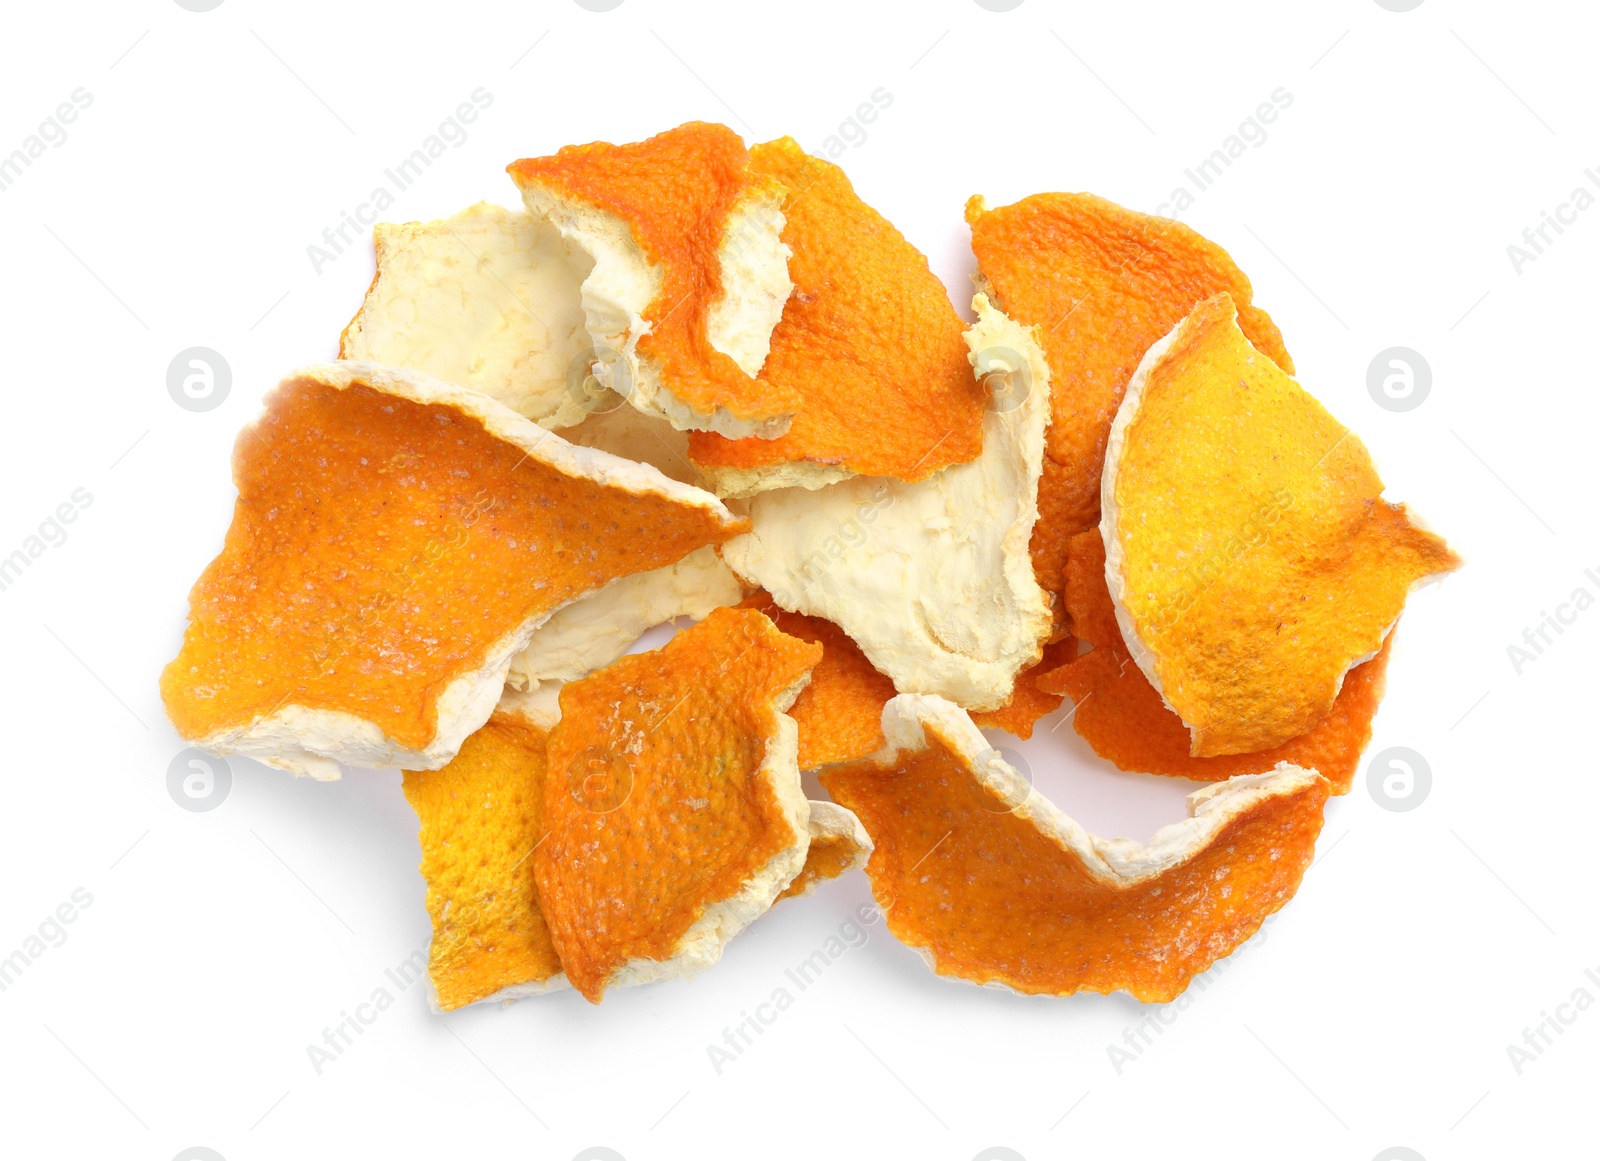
{"x":479,"y":824}
{"x":995,"y":885}
{"x":673,"y":811}
{"x":1250,"y":555}
{"x":1102,"y":283}
{"x":395,"y":541}
{"x":868,"y":339}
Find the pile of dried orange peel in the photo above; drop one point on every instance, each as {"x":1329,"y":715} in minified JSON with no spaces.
{"x":697,"y":382}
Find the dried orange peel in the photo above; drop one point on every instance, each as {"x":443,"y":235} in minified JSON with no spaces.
{"x":993,"y":884}
{"x":1119,"y":713}
{"x":838,"y":712}
{"x":689,"y":274}
{"x":869,"y":341}
{"x":1101,"y":283}
{"x":673,"y":811}
{"x":931,"y":579}
{"x":839,"y":843}
{"x":487,"y":299}
{"x":395,"y":543}
{"x":1249,"y":553}
{"x":479,"y":820}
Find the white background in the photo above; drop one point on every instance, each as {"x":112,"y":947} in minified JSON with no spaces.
{"x":1376,"y":1009}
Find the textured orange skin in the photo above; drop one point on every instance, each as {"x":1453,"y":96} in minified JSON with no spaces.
{"x":840,"y":712}
{"x":1029,"y":701}
{"x":826,"y":858}
{"x":1259,"y":560}
{"x":479,"y":823}
{"x":1120,"y":714}
{"x":628,"y":864}
{"x":379,"y":548}
{"x":1102,"y":284}
{"x":675,"y":191}
{"x":997,"y":901}
{"x":868,"y":339}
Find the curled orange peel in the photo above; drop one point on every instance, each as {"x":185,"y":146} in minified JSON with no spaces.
{"x":992,"y":884}
{"x":869,"y":341}
{"x":1249,"y":553}
{"x":395,"y":542}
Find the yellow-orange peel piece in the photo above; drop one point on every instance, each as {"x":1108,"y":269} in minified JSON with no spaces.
{"x":993,"y":884}
{"x":1120,"y":714}
{"x":1250,"y":556}
{"x":479,"y":825}
{"x":868,"y":339}
{"x":839,"y":710}
{"x":673,"y":809}
{"x":666,"y":220}
{"x":395,"y":542}
{"x":1101,"y":283}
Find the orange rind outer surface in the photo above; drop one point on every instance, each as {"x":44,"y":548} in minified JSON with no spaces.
{"x":1249,"y":553}
{"x":869,"y":341}
{"x":480,"y":821}
{"x":396,"y":541}
{"x":839,"y":711}
{"x":1101,"y":283}
{"x":1119,"y":713}
{"x":994,"y":885}
{"x":673,"y":809}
